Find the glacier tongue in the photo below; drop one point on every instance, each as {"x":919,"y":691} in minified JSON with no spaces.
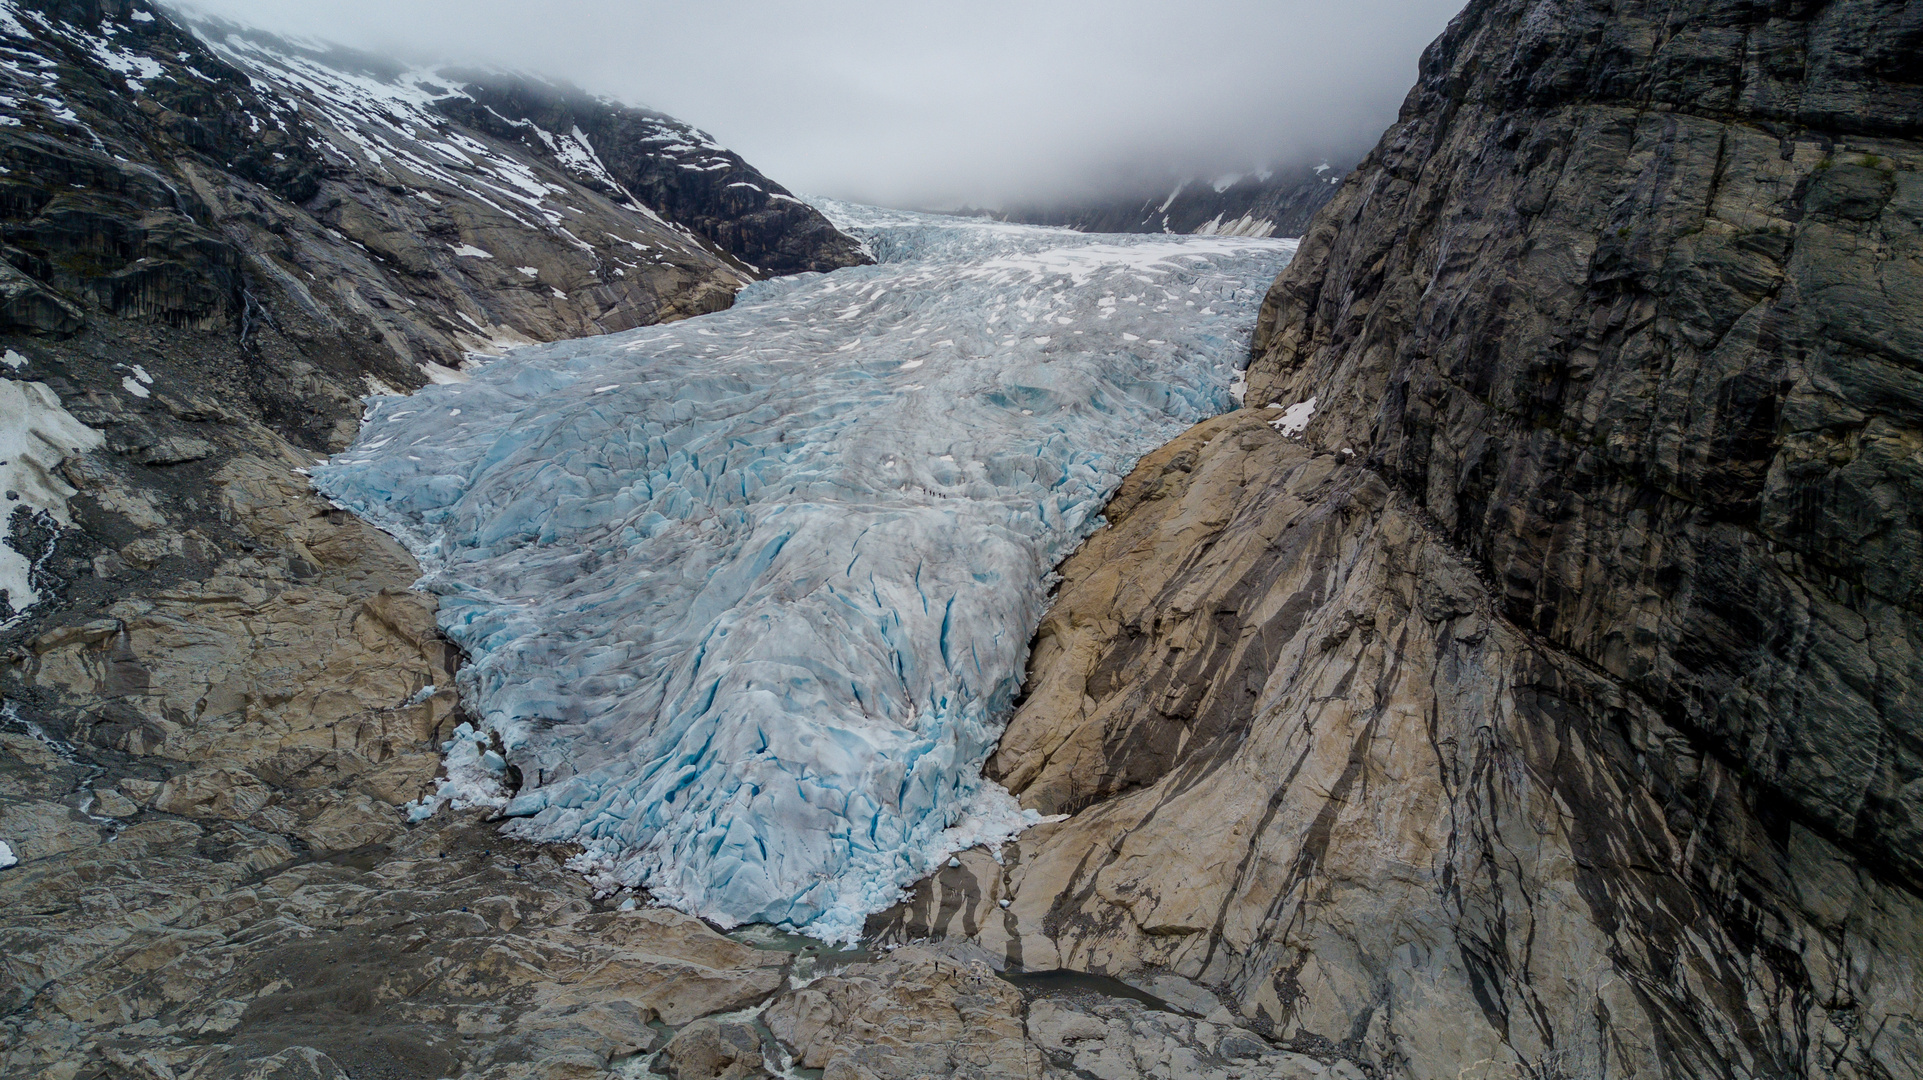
{"x":748,"y":596}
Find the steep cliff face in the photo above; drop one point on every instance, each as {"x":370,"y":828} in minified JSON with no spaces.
{"x":1532,"y":690}
{"x":1642,"y":333}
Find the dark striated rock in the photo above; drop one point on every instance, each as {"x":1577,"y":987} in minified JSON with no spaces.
{"x":27,"y":305}
{"x":1635,"y":316}
{"x":195,"y":101}
{"x":1547,"y":705}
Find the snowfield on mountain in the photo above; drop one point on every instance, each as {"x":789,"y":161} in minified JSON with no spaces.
{"x":748,"y":596}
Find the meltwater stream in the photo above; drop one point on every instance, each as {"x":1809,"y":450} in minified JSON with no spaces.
{"x":747,"y":597}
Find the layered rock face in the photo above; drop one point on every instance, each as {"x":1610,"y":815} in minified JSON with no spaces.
{"x":1532,"y":692}
{"x":1660,"y":375}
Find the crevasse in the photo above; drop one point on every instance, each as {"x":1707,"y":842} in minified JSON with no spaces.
{"x":747,"y":597}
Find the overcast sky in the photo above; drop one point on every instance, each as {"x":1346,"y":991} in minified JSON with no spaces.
{"x":908,"y":102}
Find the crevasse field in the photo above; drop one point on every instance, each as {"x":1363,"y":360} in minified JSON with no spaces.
{"x":747,"y":597}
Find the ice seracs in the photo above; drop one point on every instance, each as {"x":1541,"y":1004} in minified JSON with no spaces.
{"x":747,"y":597}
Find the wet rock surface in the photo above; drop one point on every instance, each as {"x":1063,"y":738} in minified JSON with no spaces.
{"x":945,"y":1011}
{"x":918,"y":1013}
{"x":1122,"y":1040}
{"x":707,"y":1049}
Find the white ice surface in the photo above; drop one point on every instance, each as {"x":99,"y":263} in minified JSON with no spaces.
{"x":7,"y":857}
{"x":747,"y":596}
{"x":36,"y":434}
{"x":473,"y":775}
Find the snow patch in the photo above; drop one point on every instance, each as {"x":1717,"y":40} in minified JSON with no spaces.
{"x":138,"y":70}
{"x":10,"y":23}
{"x":7,"y":857}
{"x":439,"y":375}
{"x":1246,"y":225}
{"x":1295,"y":419}
{"x":36,"y":435}
{"x":469,"y":251}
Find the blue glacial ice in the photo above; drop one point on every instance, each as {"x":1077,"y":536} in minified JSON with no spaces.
{"x":747,"y":597}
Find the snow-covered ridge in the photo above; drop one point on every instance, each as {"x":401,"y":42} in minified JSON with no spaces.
{"x":748,"y":596}
{"x":30,"y":82}
{"x":371,"y":116}
{"x":505,"y":139}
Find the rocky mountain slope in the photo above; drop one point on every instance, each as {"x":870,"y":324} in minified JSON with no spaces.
{"x":217,"y":690}
{"x":325,"y":201}
{"x":1530,"y":688}
{"x":1268,"y":202}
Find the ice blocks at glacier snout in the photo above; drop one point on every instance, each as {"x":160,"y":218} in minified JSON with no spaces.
{"x":747,"y":596}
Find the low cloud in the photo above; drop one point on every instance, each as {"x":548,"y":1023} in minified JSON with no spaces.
{"x":924,"y":104}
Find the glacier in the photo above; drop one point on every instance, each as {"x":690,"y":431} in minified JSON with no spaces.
{"x":747,"y":598}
